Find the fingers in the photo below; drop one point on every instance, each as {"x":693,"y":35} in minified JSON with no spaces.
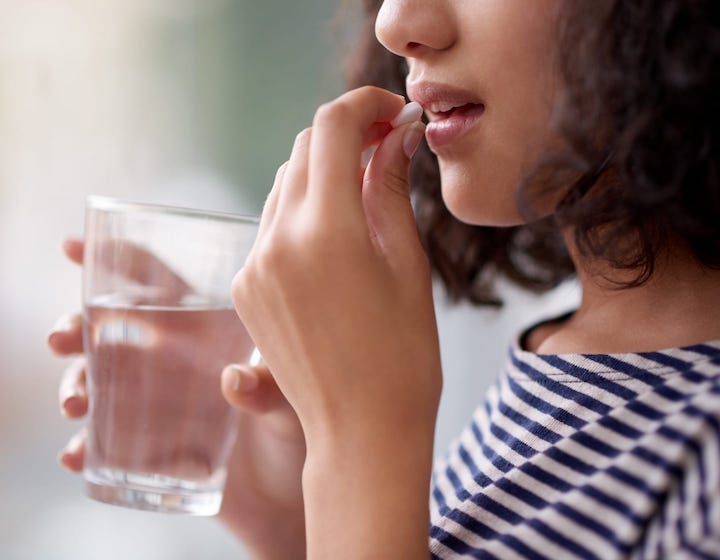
{"x":270,"y":207}
{"x":66,"y":335}
{"x":378,"y":131}
{"x":65,"y":338}
{"x":328,"y":156}
{"x":375,"y":133}
{"x":132,"y":261}
{"x":296,"y":178}
{"x":74,"y":249}
{"x":386,"y":190}
{"x":72,"y":395}
{"x":139,"y":264}
{"x":252,"y":388}
{"x":72,"y":457}
{"x":340,"y":129}
{"x":289,"y":185}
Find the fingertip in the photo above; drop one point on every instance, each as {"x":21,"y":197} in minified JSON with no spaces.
{"x":74,"y":406}
{"x":73,"y":249}
{"x":54,"y":342}
{"x":238,"y":382}
{"x":65,"y":460}
{"x":72,"y":457}
{"x":65,"y":337}
{"x":58,"y":343}
{"x":71,"y":463}
{"x":399,"y":97}
{"x":412,"y":137}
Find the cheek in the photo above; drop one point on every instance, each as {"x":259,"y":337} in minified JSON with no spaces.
{"x":480,"y":181}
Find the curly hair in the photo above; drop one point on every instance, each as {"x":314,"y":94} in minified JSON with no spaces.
{"x":639,"y":113}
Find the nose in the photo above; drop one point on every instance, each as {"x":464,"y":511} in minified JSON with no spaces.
{"x":416,"y":28}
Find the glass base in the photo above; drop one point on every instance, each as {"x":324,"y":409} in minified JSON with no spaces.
{"x":152,"y":492}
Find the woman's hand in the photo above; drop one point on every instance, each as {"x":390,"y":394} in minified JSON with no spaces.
{"x":263,"y":503}
{"x":337,"y":295}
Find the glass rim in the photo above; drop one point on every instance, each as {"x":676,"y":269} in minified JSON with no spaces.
{"x":108,"y":203}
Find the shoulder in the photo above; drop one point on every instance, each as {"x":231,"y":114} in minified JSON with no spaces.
{"x":687,"y":522}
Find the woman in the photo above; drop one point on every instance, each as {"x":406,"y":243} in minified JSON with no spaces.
{"x":568,"y":136}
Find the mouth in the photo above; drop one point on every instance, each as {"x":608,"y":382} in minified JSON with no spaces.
{"x":442,"y":101}
{"x":451,"y":111}
{"x":439,"y":111}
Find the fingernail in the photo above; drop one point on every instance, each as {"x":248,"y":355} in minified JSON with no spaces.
{"x":243,"y":380}
{"x":412,"y":138}
{"x":65,"y":324}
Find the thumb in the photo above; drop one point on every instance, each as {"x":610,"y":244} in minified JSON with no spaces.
{"x":386,"y":189}
{"x":252,"y":388}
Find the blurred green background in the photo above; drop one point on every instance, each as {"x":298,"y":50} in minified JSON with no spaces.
{"x":250,"y":75}
{"x":188,"y":102}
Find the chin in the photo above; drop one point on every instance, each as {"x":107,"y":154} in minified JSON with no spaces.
{"x":480,"y":201}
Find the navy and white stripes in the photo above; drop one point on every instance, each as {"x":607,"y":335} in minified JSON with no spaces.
{"x":587,"y":457}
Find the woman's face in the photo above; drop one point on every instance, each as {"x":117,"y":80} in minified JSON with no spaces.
{"x":483,"y":71}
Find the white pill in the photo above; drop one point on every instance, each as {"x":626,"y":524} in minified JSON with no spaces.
{"x":411,"y":112}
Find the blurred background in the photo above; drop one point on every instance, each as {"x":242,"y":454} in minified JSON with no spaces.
{"x":186,"y":102}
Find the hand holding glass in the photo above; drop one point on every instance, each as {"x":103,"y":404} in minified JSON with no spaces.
{"x":159,"y":326}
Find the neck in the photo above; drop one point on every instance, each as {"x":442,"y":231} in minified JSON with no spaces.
{"x":679,"y":305}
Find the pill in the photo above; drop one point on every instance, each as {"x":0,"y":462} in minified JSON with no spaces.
{"x":411,"y":112}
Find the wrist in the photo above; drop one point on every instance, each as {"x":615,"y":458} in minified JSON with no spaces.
{"x":365,"y":487}
{"x":268,"y":532}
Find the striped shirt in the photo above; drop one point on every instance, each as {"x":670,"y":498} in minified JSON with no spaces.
{"x":587,"y":457}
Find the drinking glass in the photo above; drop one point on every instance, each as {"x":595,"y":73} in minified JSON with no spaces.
{"x":159,"y":326}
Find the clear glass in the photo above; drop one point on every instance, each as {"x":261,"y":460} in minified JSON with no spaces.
{"x":159,"y":326}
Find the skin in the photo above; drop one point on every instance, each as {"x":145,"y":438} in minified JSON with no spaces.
{"x":512,"y":42}
{"x":339,"y":275}
{"x":337,"y":292}
{"x":502,"y":52}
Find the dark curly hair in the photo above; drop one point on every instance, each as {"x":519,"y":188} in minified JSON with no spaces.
{"x":639,"y":113}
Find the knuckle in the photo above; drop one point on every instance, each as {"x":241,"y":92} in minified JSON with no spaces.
{"x":319,"y":241}
{"x":369,"y":89}
{"x":302,"y":139}
{"x":269,"y":256}
{"x":301,"y":145}
{"x":331,"y":114}
{"x":393,"y":181}
{"x":239,"y":286}
{"x":244,"y":283}
{"x":397,"y":182}
{"x":266,"y":262}
{"x":280,"y":172}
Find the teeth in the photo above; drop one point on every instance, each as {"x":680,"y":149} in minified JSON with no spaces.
{"x":442,"y":107}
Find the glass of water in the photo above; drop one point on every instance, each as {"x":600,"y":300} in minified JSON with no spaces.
{"x":159,"y":327}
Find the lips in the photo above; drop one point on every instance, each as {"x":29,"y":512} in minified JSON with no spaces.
{"x":452,"y":111}
{"x":439,"y":112}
